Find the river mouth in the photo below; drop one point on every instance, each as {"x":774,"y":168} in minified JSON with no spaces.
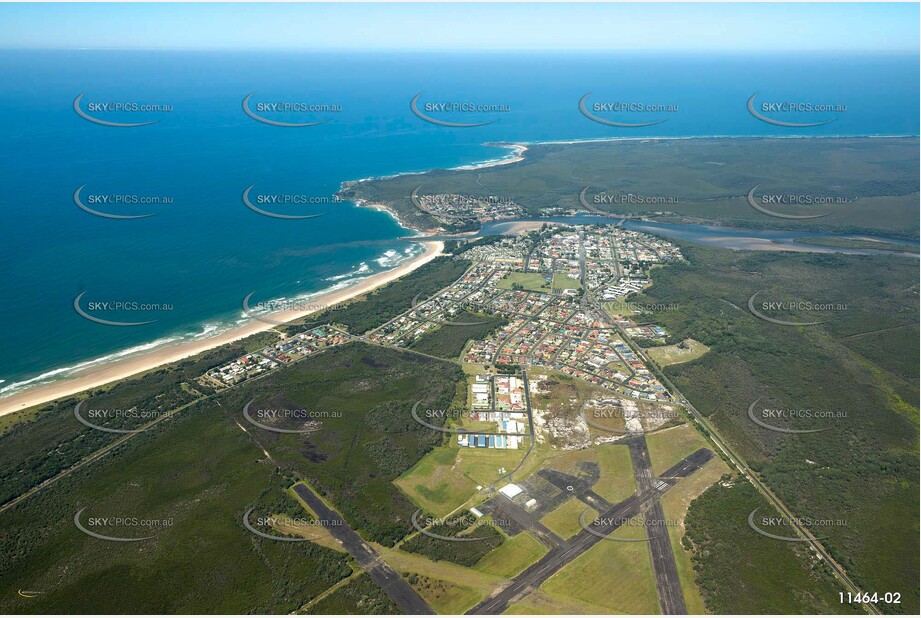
{"x":746,"y":239}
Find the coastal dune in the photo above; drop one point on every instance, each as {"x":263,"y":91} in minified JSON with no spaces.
{"x":94,"y":377}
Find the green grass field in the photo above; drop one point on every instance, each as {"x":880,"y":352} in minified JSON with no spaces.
{"x":534,"y":282}
{"x":512,"y":557}
{"x":444,"y":597}
{"x":619,"y":309}
{"x":487,"y":465}
{"x":540,"y":603}
{"x":669,"y":446}
{"x":683,"y":352}
{"x":565,"y":282}
{"x":435,"y":485}
{"x":614,"y":575}
{"x":564,"y":520}
{"x":407,"y":562}
{"x":616,"y":482}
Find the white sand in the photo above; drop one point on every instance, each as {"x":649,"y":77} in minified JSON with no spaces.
{"x":94,"y":377}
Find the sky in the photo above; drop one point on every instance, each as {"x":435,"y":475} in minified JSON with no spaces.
{"x":742,"y":27}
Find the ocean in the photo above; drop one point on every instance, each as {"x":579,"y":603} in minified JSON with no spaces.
{"x":204,"y":250}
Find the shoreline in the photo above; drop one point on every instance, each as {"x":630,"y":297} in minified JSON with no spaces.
{"x":516,"y":155}
{"x":592,"y":140}
{"x":141,"y":362}
{"x":105,"y":373}
{"x":520,"y":148}
{"x":393,"y":215}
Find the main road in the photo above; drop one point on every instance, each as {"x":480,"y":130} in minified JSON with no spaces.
{"x":744,"y":470}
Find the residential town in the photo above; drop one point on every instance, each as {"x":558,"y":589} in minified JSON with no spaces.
{"x":536,"y":285}
{"x":285,"y":351}
{"x":554,"y":290}
{"x":450,"y":207}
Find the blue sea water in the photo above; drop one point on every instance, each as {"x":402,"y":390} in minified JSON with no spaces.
{"x":204,"y":251}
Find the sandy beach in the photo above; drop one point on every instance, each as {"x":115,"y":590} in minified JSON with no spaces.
{"x":516,"y":155}
{"x":99,"y":375}
{"x":519,"y":227}
{"x":93,"y":377}
{"x":396,"y":217}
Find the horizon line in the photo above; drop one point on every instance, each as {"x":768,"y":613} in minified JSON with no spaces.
{"x":586,"y":50}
